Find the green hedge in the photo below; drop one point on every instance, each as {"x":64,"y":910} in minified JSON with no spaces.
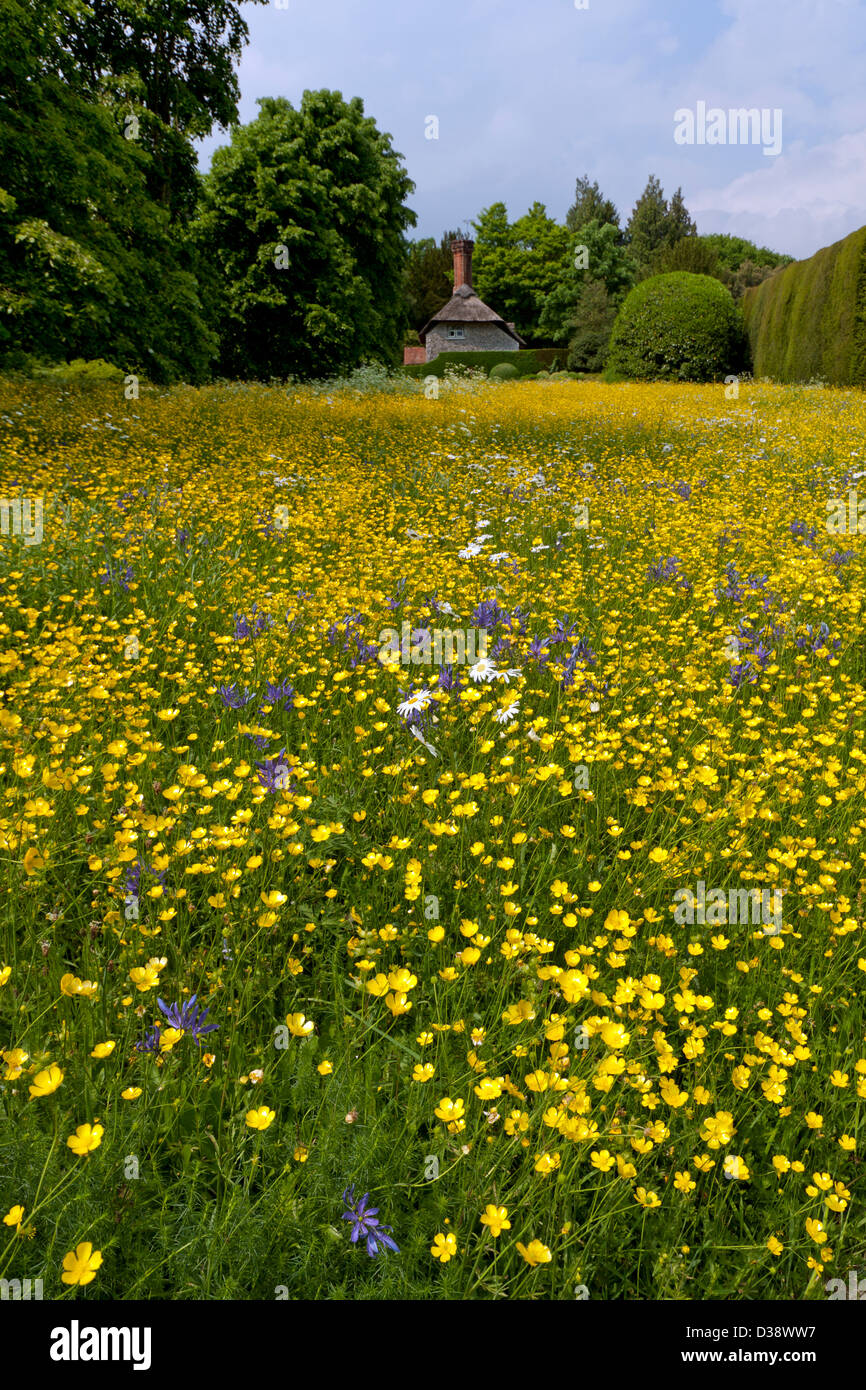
{"x":809,"y":320}
{"x":527,"y":361}
{"x":677,"y":327}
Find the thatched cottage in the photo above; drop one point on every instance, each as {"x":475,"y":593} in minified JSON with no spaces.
{"x":466,"y":323}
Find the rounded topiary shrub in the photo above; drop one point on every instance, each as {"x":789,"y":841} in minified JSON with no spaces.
{"x":503,"y":371}
{"x":677,"y":327}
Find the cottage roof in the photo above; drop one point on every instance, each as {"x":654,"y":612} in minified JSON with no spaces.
{"x":464,"y":306}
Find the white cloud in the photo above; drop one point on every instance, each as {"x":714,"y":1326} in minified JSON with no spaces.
{"x":531,"y":96}
{"x":804,"y":199}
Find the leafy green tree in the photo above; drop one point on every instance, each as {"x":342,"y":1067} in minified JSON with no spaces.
{"x":596,"y":256}
{"x":746,"y":275}
{"x":679,"y":223}
{"x":655,"y":224}
{"x":89,"y":266}
{"x":589,"y":206}
{"x":688,"y":253}
{"x":732,"y":251}
{"x":646,"y":228}
{"x":429,"y":277}
{"x":304,"y":215}
{"x":698,"y":256}
{"x":592,"y":323}
{"x":171,"y":63}
{"x":516,"y":266}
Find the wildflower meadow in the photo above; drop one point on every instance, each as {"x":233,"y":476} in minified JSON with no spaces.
{"x":432,"y":840}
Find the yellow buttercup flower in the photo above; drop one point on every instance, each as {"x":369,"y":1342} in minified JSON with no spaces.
{"x":444,"y":1247}
{"x":495,"y":1219}
{"x":45,"y":1082}
{"x":85,"y":1139}
{"x":261,"y":1118}
{"x":299,"y":1026}
{"x":33,"y":861}
{"x":535,"y":1253}
{"x":80,"y":1265}
{"x":449,"y":1109}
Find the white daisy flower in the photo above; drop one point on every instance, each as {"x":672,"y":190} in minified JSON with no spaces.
{"x":471,"y":550}
{"x":500,"y":555}
{"x":413,"y":729}
{"x":511,"y":674}
{"x":505,"y":716}
{"x":483,"y":670}
{"x":419,"y":701}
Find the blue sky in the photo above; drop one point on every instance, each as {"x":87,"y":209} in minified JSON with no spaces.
{"x":529,"y":94}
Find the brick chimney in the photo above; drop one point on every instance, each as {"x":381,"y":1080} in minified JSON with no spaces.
{"x":462,"y":252}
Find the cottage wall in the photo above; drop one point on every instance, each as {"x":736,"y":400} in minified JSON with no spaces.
{"x":479,"y":337}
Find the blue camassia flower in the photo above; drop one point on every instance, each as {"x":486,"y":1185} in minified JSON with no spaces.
{"x":366,"y":1224}
{"x":273,"y":773}
{"x":279,"y":694}
{"x":232,"y":696}
{"x":188,"y":1017}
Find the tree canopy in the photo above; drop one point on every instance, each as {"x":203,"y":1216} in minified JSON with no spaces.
{"x":517,"y":265}
{"x":304,"y":213}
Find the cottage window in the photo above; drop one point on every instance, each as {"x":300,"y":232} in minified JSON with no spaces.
{"x":456,"y":333}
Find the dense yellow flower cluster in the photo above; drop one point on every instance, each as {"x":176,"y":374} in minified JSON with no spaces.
{"x":220,"y":779}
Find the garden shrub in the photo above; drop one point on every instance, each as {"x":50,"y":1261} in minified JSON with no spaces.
{"x":677,"y":327}
{"x":809,"y":320}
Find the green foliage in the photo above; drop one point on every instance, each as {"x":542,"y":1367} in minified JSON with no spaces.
{"x":596,"y":255}
{"x":516,"y":266}
{"x":656,"y":223}
{"x":79,"y":372}
{"x":526,"y":362}
{"x":690,"y":253}
{"x":590,"y":205}
{"x":647,"y":226}
{"x":173,"y":66}
{"x":89,"y":265}
{"x":746,"y":277}
{"x":700,"y":255}
{"x":732,"y":251}
{"x":503,"y":371}
{"x":304,"y":214}
{"x":680,"y":224}
{"x":738,"y":263}
{"x":807,"y":321}
{"x":677,"y":327}
{"x":593,"y":321}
